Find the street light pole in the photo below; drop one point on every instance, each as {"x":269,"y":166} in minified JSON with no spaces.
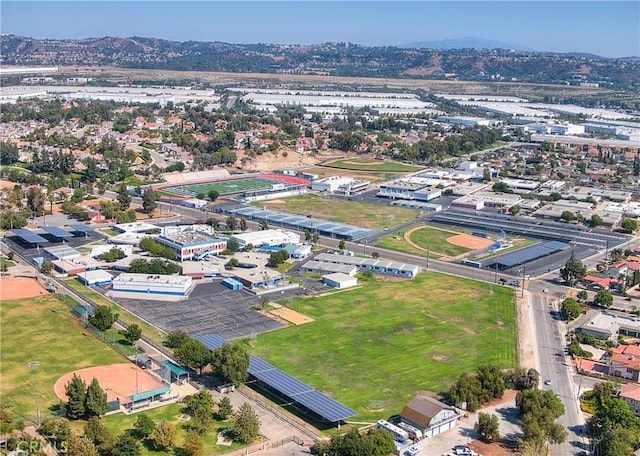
{"x":34,"y":366}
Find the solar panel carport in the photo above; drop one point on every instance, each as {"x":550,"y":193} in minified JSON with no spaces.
{"x":287,"y":385}
{"x":534,"y":252}
{"x":82,"y":228}
{"x":29,"y":236}
{"x":57,"y":231}
{"x":299,"y":222}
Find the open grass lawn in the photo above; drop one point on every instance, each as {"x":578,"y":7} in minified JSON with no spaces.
{"x":374,"y":347}
{"x":436,"y":239}
{"x":365,"y":215}
{"x":148,"y":330}
{"x":381,"y":166}
{"x":397,"y":242}
{"x":120,"y":423}
{"x":42,"y":329}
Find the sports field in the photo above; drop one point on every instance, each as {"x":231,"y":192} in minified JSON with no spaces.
{"x":380,"y":166}
{"x":374,"y":347}
{"x":226,"y":187}
{"x":365,"y":215}
{"x":42,"y":329}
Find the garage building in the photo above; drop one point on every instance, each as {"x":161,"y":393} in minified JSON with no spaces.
{"x":429,"y":415}
{"x":340,"y":280}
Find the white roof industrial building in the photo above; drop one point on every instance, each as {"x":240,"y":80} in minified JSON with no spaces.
{"x":372,"y":264}
{"x":152,"y":284}
{"x":95,"y":277}
{"x":267,"y":237}
{"x":339,"y":280}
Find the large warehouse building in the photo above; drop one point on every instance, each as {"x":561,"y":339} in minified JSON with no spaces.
{"x":153,"y":284}
{"x":272,"y":238}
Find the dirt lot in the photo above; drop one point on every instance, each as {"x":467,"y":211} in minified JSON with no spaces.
{"x":20,"y":287}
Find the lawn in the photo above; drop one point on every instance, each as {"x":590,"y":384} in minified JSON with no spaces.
{"x":120,"y":423}
{"x":397,"y":243}
{"x":428,"y":238}
{"x":380,"y":166}
{"x":366,"y":215}
{"x":374,"y":347}
{"x":149,"y":331}
{"x":42,"y":329}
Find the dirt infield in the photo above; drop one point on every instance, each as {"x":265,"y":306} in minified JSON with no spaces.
{"x":119,"y":381}
{"x":20,"y":287}
{"x":291,"y":316}
{"x":469,"y":241}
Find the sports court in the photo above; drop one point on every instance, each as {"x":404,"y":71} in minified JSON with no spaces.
{"x":211,"y":308}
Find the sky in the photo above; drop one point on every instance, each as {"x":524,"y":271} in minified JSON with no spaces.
{"x":608,"y":28}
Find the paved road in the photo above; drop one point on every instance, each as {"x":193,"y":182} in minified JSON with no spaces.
{"x":551,"y":333}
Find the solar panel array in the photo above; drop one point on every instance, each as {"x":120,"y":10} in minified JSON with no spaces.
{"x":29,"y":236}
{"x":530,"y":253}
{"x":299,"y":222}
{"x":300,"y":392}
{"x":57,"y":231}
{"x":82,"y":228}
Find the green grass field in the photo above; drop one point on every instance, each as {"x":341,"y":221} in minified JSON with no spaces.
{"x":120,"y":423}
{"x":223,"y":187}
{"x":380,"y":166}
{"x":374,"y":347}
{"x":42,"y":329}
{"x":365,"y":215}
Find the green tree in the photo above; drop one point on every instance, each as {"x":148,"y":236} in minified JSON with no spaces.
{"x":567,"y":216}
{"x":243,"y":224}
{"x":570,"y":309}
{"x":193,"y":354}
{"x":378,"y":442}
{"x":342,"y":244}
{"x":467,"y":389}
{"x":246,"y":425}
{"x":124,"y":198}
{"x":233,"y":245}
{"x":193,"y":445}
{"x":176,"y":338}
{"x":35,"y":201}
{"x":95,"y":400}
{"x":582,"y":296}
{"x":8,"y":153}
{"x":126,"y":445}
{"x":515,"y":209}
{"x":103,"y":318}
{"x":149,"y":201}
{"x":213,"y":194}
{"x":491,"y":379}
{"x":80,"y":446}
{"x":47,"y":267}
{"x":263,"y":225}
{"x":231,"y":363}
{"x":232,"y":223}
{"x":225,"y":408}
{"x":603,"y":298}
{"x":629,"y":225}
{"x":538,"y":411}
{"x":76,"y":391}
{"x":573,"y":271}
{"x":164,"y":435}
{"x":98,"y":433}
{"x":596,"y":220}
{"x":144,"y":426}
{"x":200,"y":407}
{"x":133,"y":333}
{"x":488,"y":427}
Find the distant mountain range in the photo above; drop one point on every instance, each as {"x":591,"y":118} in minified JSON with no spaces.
{"x":335,"y":59}
{"x":466,"y":43}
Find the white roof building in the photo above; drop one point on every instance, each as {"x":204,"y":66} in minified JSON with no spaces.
{"x":271,"y":237}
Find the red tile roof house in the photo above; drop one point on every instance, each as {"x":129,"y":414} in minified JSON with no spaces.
{"x":631,"y":395}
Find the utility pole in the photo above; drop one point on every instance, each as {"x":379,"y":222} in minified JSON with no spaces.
{"x":428,"y":250}
{"x":34,"y":366}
